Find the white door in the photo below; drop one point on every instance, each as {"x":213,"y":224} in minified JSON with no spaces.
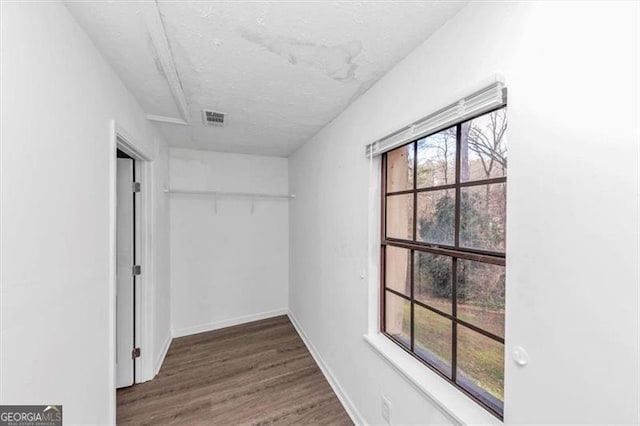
{"x":124,"y":275}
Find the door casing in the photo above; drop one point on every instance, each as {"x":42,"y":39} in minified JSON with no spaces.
{"x":145,"y":286}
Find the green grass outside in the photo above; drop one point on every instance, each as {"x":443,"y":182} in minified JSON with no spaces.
{"x":479,"y":358}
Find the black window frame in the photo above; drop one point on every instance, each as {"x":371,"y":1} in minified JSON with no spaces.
{"x":455,"y":252}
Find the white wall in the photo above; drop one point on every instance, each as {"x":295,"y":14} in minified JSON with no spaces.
{"x":58,"y":99}
{"x":572,"y":287}
{"x":230,"y":265}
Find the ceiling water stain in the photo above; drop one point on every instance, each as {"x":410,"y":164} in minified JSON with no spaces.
{"x":336,"y":61}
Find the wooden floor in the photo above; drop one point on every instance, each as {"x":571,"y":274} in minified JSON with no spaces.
{"x":256,"y":373}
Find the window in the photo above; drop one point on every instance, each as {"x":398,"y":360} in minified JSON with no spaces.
{"x":443,"y":253}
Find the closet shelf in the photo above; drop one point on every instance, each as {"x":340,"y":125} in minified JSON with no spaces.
{"x":230,"y":194}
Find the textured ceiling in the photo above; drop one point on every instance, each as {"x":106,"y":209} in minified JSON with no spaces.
{"x":279,"y":70}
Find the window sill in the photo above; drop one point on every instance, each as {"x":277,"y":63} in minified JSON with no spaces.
{"x":450,"y":400}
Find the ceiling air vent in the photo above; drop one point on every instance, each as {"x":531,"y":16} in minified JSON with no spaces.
{"x":212,"y":118}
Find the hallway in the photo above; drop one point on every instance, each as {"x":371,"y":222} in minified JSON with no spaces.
{"x":384,"y":212}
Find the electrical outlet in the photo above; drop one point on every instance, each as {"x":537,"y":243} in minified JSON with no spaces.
{"x":386,"y":410}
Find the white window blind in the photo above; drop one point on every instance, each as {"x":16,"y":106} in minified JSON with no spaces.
{"x":491,"y":97}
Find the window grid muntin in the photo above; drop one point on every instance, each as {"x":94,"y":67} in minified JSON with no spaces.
{"x":465,"y":184}
{"x":454,"y":252}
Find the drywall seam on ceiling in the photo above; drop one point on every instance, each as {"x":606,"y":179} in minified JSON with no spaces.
{"x":163,"y":119}
{"x":160,"y":43}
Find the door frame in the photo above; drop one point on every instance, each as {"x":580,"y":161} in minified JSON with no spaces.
{"x":144,"y":304}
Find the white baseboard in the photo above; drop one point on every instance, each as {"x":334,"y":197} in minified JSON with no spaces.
{"x":162,"y":355}
{"x":186,"y":331}
{"x":333,"y":382}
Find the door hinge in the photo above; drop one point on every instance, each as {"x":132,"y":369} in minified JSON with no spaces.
{"x":136,"y":270}
{"x":135,"y":353}
{"x":136,"y":187}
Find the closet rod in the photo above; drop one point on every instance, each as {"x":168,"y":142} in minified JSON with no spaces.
{"x":230,"y":194}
